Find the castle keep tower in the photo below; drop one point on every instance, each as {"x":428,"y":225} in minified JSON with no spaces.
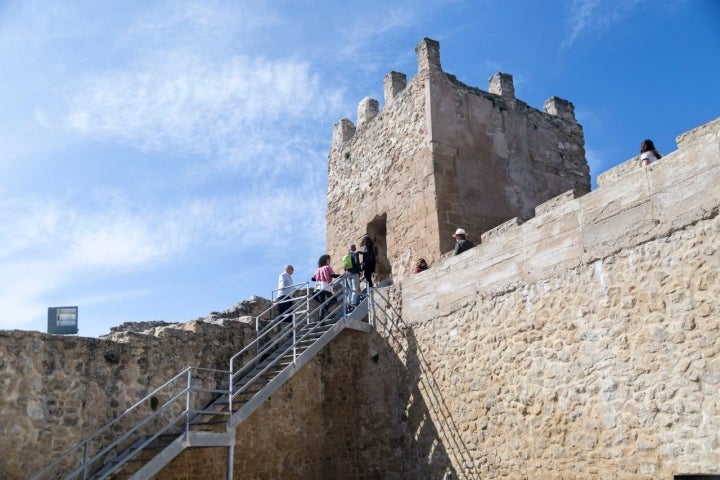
{"x":442,"y":155}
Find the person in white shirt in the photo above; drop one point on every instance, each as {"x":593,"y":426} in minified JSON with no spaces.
{"x":285,"y":289}
{"x":648,"y":154}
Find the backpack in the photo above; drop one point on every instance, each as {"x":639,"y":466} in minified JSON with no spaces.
{"x":348,"y":263}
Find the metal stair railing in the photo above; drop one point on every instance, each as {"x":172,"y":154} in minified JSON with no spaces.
{"x":183,"y":408}
{"x":134,"y":429}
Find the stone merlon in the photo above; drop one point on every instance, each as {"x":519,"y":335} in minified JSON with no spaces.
{"x":560,"y":108}
{"x":428,"y":55}
{"x":368,"y":109}
{"x":502,"y":84}
{"x":343,"y":131}
{"x":394,"y":83}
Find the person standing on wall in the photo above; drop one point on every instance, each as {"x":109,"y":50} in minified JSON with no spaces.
{"x":351,"y":264}
{"x":323,"y":283}
{"x":367,"y":250}
{"x":285,"y":289}
{"x":648,"y":154}
{"x":461,"y":243}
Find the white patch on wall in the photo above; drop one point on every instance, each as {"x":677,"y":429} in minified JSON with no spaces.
{"x":529,"y":297}
{"x":599,"y":274}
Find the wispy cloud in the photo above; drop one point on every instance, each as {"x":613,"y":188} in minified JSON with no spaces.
{"x":48,"y":245}
{"x":593,"y":17}
{"x":184,"y":105}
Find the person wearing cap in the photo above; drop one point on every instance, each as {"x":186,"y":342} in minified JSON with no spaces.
{"x":353,"y":276}
{"x":461,"y":243}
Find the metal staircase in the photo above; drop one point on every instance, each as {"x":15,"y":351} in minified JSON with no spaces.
{"x":203,"y":407}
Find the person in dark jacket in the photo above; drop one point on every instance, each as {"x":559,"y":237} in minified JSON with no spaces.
{"x":367,"y":265}
{"x":461,"y":243}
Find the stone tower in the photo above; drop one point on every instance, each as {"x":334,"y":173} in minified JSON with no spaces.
{"x":442,"y":155}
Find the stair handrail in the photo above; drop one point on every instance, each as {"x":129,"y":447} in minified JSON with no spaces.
{"x":267,"y":329}
{"x":83,"y":446}
{"x":244,"y":368}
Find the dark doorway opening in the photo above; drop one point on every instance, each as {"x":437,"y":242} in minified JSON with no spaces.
{"x":377,"y":231}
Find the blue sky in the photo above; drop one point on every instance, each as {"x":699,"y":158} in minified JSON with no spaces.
{"x":161,"y":160}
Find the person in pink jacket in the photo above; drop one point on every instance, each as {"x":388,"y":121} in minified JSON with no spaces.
{"x":323,"y":282}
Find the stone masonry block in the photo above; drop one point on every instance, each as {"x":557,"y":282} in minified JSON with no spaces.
{"x":688,"y":198}
{"x":607,"y":234}
{"x":555,"y":202}
{"x":552,"y":242}
{"x":706,"y":133}
{"x":626,"y":193}
{"x":499,"y":231}
{"x":500,"y":260}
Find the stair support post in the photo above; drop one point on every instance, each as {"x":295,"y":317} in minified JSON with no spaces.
{"x":230,"y":457}
{"x":187,"y":402}
{"x":84,"y":459}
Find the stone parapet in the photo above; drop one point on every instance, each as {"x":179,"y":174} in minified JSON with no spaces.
{"x":568,"y":232}
{"x":704,"y":141}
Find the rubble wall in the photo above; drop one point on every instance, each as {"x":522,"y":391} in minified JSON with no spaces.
{"x":57,"y":390}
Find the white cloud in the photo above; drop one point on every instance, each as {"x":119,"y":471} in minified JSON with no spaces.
{"x":594,"y":16}
{"x":47,"y":246}
{"x":182,"y":104}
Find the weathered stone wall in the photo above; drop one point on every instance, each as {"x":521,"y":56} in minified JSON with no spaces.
{"x":440,"y":155}
{"x":352,"y":413}
{"x":56,"y":390}
{"x":385,"y":169}
{"x":585,"y":342}
{"x":581,"y":343}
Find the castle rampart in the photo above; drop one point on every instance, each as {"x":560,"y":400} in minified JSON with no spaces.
{"x":56,"y":390}
{"x":579,"y":339}
{"x":581,"y":343}
{"x":585,"y":342}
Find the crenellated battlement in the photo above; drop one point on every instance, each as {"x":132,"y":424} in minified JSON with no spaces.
{"x":500,"y":85}
{"x":441,"y":155}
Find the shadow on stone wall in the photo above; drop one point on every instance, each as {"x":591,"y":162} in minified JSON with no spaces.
{"x":436,"y":442}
